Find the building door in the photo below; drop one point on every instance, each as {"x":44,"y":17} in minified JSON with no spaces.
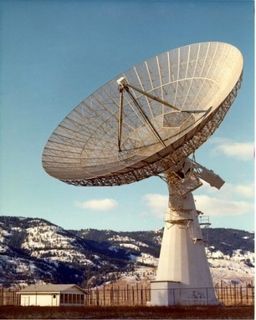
{"x":54,"y":300}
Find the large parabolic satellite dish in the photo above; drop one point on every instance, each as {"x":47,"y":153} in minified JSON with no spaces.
{"x":98,"y":144}
{"x":147,"y":121}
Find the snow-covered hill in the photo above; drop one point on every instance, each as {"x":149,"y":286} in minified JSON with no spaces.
{"x":230,"y":252}
{"x":34,"y":250}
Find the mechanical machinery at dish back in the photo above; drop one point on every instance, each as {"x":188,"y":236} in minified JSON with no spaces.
{"x":147,"y":121}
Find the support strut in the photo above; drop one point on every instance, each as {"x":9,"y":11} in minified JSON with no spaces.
{"x":145,"y":118}
{"x":120,"y":122}
{"x":167,"y":104}
{"x":124,"y":85}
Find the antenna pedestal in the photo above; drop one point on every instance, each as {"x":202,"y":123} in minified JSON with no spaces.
{"x":183,"y":274}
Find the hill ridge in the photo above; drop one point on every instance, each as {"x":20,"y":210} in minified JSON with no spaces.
{"x":34,"y":249}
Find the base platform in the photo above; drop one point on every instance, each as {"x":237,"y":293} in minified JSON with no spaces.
{"x":168,"y":293}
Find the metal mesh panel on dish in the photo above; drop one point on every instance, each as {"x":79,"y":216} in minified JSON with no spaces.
{"x":165,"y":98}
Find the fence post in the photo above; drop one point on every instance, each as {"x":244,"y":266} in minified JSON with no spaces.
{"x":91,"y":297}
{"x":132,"y":295}
{"x":122,"y":296}
{"x":137,"y":294}
{"x":97,"y":297}
{"x":127,"y":294}
{"x":241,"y":295}
{"x":118,"y":295}
{"x":111,"y":295}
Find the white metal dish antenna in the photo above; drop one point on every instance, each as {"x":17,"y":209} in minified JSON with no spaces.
{"x":145,"y":122}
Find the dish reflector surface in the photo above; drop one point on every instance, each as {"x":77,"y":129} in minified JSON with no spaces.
{"x":83,"y":149}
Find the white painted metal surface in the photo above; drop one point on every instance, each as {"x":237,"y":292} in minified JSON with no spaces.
{"x":183,"y":274}
{"x":158,"y":114}
{"x":84,"y":148}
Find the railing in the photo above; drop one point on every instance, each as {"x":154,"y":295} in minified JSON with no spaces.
{"x":140,"y":295}
{"x":9,"y":297}
{"x":128,"y":295}
{"x":235,"y":294}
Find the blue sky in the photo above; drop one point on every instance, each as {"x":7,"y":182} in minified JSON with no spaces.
{"x":55,"y":53}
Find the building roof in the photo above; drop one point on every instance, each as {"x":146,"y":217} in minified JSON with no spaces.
{"x":49,"y":288}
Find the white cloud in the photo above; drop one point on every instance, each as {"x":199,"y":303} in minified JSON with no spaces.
{"x":246,"y":191}
{"x":157,"y":203}
{"x":98,"y":204}
{"x":230,"y":190}
{"x":222,"y":207}
{"x":239,"y":150}
{"x":231,"y":200}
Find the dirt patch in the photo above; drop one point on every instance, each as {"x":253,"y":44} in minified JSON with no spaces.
{"x":200,"y":312}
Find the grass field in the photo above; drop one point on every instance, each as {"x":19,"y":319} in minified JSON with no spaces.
{"x":199,"y":312}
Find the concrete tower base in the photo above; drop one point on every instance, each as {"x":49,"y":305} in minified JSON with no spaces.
{"x":170,"y":293}
{"x":183,"y":274}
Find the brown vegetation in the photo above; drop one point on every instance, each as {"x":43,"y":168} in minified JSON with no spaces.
{"x":202,"y":312}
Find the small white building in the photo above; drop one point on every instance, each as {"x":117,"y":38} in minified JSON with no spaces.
{"x":53,"y":295}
